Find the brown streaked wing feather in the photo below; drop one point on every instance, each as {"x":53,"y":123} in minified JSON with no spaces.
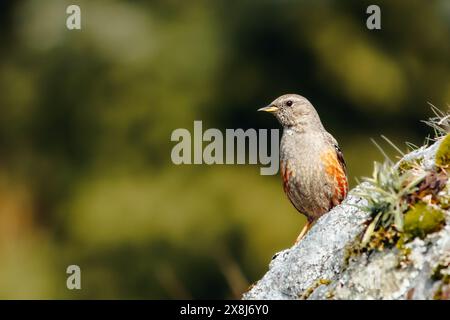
{"x":340,"y":157}
{"x":341,"y":175}
{"x":335,"y":167}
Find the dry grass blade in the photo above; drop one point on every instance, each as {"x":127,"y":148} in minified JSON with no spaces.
{"x":381,"y":150}
{"x":393,"y":145}
{"x":440,"y":123}
{"x":411,"y":146}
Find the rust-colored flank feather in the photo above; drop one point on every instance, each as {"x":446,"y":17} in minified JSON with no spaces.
{"x":285,"y":175}
{"x":335,"y":168}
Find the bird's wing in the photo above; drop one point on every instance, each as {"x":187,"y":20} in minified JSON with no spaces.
{"x":340,"y":157}
{"x":336,"y":168}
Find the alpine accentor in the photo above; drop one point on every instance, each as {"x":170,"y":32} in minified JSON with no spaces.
{"x":312,"y":165}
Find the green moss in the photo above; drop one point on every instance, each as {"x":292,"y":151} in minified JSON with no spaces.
{"x":330,"y":294}
{"x":444,"y":201}
{"x":403,"y":252}
{"x":437,"y":272}
{"x":440,"y":273}
{"x":351,"y":252}
{"x":443,"y":153}
{"x":407,"y":165}
{"x":311,"y":289}
{"x":422,"y":219}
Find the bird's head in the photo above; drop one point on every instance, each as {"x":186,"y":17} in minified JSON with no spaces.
{"x":293,"y":110}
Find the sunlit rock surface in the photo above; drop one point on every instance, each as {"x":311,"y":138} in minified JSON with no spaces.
{"x":320,"y":266}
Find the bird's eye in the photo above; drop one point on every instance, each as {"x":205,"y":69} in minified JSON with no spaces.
{"x":289,"y":103}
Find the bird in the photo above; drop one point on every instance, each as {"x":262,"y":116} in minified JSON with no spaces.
{"x":312,"y":165}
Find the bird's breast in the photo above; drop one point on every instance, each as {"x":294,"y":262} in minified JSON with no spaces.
{"x":305,"y":178}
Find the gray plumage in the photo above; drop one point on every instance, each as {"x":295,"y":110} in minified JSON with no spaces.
{"x":312,"y":165}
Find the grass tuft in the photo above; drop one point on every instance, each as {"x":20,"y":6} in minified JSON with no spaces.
{"x":440,"y":123}
{"x":386,"y":194}
{"x":406,"y":193}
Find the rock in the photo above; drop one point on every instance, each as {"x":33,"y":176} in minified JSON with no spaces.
{"x":321,"y":266}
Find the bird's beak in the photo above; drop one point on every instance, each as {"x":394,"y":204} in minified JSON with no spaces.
{"x":269,"y":108}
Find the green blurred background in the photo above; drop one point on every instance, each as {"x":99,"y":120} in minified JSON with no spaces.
{"x":86,"y":117}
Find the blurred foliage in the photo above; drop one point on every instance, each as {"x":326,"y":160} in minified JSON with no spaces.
{"x":86,"y":118}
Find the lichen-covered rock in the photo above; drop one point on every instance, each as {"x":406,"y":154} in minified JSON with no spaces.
{"x":323,"y":266}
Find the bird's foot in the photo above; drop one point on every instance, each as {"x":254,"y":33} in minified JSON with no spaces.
{"x":303,"y":232}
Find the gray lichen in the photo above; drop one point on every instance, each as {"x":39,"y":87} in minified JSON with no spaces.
{"x":395,"y":272}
